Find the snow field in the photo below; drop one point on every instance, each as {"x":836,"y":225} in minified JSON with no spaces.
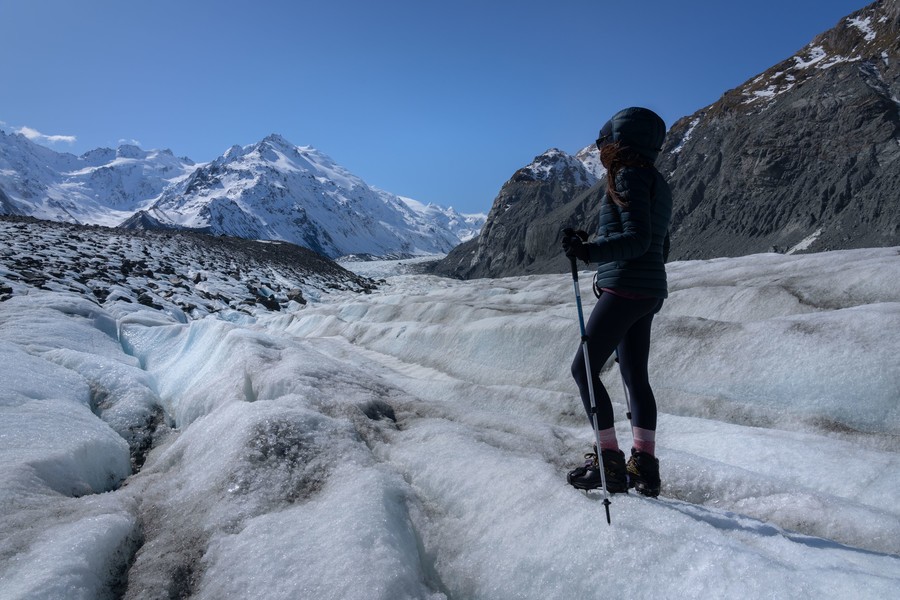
{"x":415,"y":444}
{"x":355,"y":541}
{"x":497,"y":535}
{"x":60,"y":536}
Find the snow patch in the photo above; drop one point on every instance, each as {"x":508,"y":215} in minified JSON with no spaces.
{"x":687,"y":135}
{"x":864,"y":25}
{"x":815,"y":55}
{"x":806,"y":242}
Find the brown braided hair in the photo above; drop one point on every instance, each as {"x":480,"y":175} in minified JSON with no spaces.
{"x":614,"y":156}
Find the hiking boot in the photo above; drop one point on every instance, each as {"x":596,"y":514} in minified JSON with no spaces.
{"x":588,"y":477}
{"x":643,"y":473}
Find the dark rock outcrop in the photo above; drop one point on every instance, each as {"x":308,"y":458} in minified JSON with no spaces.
{"x":522,"y":231}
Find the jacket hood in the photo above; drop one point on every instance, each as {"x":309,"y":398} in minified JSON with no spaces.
{"x":637,"y":128}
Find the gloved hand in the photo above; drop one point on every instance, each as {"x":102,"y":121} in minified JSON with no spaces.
{"x":574,"y":244}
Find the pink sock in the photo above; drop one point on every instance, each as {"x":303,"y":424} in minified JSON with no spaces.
{"x":644,"y":440}
{"x":608,"y":439}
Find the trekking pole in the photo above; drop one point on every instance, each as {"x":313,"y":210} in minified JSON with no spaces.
{"x":587,"y":366}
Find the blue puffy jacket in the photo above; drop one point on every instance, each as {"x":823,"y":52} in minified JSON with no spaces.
{"x":631,"y":245}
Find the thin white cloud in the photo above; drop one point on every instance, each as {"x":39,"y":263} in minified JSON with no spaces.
{"x":36,"y":136}
{"x":130,"y":143}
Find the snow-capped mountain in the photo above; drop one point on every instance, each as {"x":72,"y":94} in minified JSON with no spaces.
{"x":276,"y":190}
{"x":101,"y":187}
{"x":590,"y":158}
{"x":270,"y":190}
{"x":581,"y":170}
{"x":463,"y":226}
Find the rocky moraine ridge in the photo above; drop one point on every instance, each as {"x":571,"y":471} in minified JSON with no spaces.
{"x":188,"y":275}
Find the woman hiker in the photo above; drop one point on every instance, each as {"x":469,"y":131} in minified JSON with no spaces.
{"x":630,"y":248}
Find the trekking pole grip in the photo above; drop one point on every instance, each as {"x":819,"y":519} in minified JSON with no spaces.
{"x":569,"y":232}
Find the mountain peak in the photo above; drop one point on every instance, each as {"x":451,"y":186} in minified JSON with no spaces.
{"x":235,"y":151}
{"x":867,"y":36}
{"x":98,"y":156}
{"x":279,"y":141}
{"x":130,"y":151}
{"x":554,"y":164}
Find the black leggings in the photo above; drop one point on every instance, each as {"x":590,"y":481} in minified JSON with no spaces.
{"x":623,"y":324}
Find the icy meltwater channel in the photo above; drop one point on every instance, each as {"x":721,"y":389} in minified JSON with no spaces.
{"x":413,"y":443}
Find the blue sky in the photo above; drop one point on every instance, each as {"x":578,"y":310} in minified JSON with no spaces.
{"x":439,"y":101}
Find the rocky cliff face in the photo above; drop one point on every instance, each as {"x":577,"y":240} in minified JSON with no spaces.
{"x":803,"y":157}
{"x":521,"y":234}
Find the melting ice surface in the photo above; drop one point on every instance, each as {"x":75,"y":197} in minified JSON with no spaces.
{"x":413,"y":443}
